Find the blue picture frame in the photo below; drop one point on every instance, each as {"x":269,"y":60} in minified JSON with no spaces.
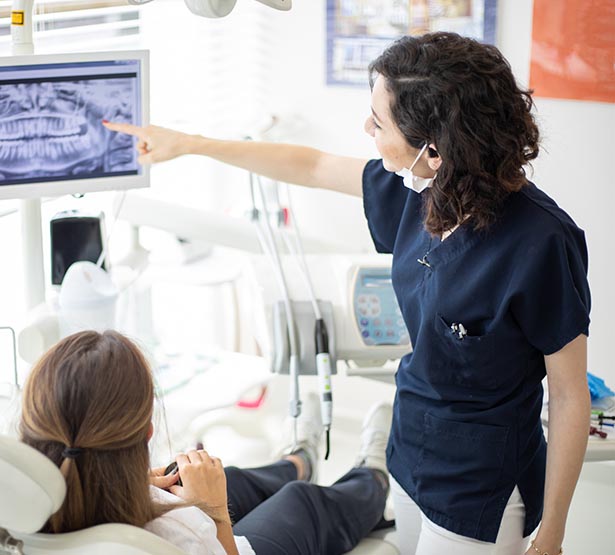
{"x":349,"y":52}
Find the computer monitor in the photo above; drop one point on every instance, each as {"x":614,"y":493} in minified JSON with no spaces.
{"x":52,"y":141}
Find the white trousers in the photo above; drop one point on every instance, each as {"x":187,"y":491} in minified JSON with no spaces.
{"x":420,"y":536}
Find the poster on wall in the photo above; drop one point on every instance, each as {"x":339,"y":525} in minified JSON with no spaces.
{"x":359,"y":30}
{"x":573,"y":50}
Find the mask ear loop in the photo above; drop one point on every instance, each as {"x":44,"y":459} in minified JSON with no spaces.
{"x":418,"y":156}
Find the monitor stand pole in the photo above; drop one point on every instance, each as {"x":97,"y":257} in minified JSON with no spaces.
{"x":30,"y":209}
{"x":32,"y":252}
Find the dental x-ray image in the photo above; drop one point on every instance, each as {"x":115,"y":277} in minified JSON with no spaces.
{"x":50,"y":128}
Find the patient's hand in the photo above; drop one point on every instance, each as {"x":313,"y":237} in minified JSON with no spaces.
{"x":204,"y":484}
{"x":158,"y":479}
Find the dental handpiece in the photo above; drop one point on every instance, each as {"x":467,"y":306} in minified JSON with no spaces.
{"x":323,"y":367}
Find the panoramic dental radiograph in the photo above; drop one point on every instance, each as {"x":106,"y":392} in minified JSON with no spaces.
{"x":52,"y":130}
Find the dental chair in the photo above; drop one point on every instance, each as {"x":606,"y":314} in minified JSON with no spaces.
{"x":32,"y":489}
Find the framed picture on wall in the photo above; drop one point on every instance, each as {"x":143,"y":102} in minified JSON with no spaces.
{"x":359,"y":30}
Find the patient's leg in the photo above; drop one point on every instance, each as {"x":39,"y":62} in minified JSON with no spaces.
{"x":249,"y":487}
{"x":306,"y":519}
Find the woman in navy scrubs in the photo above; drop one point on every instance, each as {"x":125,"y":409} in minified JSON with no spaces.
{"x":490,"y":275}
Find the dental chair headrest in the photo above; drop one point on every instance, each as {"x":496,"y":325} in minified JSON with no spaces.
{"x":32,"y":487}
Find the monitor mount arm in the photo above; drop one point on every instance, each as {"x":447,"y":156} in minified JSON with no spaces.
{"x":221,"y":8}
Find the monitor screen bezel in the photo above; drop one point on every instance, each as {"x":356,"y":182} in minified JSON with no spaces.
{"x":83,"y":186}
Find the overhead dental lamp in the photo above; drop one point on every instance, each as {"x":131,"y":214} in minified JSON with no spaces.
{"x":221,"y":8}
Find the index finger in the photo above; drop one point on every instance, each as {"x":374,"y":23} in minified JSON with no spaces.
{"x":127,"y":128}
{"x":159,"y":471}
{"x":165,"y":482}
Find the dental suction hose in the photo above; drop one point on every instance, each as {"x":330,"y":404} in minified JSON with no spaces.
{"x":321,"y":337}
{"x":323,"y":366}
{"x":270,"y":247}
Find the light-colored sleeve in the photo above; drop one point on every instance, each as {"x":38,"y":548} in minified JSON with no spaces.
{"x":190,"y":529}
{"x":243,"y":545}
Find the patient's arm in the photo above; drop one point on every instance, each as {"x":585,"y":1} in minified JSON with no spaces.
{"x":226,"y":537}
{"x":204,"y":485}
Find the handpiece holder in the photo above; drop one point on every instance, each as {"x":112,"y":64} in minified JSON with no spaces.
{"x":305,"y":322}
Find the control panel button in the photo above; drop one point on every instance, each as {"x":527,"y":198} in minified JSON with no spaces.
{"x":364,"y":321}
{"x":365,"y":333}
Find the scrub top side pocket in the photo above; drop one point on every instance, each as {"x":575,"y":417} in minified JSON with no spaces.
{"x":466,"y":362}
{"x":459,"y":467}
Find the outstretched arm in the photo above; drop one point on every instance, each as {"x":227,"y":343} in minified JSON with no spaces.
{"x":283,"y":162}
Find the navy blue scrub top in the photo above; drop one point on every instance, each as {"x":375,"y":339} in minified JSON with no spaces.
{"x":466,"y":425}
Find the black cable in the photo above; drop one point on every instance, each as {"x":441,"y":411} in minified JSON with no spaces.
{"x":328,"y":445}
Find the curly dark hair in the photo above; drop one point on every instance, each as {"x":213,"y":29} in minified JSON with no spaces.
{"x":461,"y":96}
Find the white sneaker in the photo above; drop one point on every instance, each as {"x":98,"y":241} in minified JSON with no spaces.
{"x":374,"y":438}
{"x":309,"y":433}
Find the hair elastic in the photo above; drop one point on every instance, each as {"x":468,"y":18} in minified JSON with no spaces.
{"x":72,"y":452}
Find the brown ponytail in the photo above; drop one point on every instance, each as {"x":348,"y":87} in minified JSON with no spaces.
{"x":93,"y":393}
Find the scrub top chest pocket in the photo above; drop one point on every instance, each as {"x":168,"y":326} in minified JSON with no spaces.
{"x":462,"y":358}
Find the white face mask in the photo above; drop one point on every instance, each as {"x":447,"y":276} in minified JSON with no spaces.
{"x":414,"y":182}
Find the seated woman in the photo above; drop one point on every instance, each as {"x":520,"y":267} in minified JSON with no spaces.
{"x":88,"y":406}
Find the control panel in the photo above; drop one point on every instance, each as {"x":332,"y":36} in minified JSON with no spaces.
{"x":376,"y":311}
